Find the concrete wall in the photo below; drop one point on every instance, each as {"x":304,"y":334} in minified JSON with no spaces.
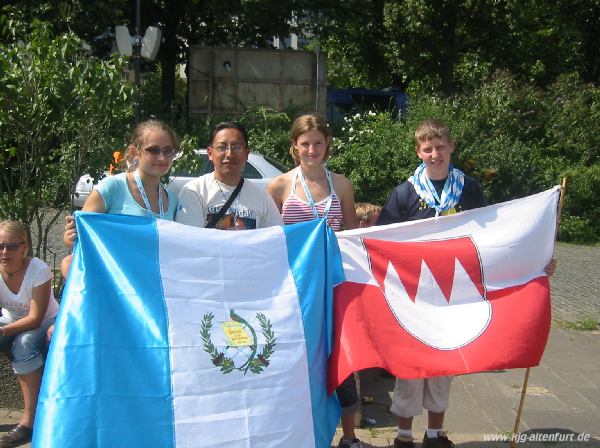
{"x":227,"y":80}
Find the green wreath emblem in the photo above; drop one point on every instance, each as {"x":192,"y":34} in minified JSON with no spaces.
{"x":256,"y":362}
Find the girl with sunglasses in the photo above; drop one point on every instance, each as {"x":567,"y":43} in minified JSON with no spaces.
{"x":139,"y":191}
{"x":28,"y":310}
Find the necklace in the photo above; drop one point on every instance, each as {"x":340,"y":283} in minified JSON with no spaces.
{"x":10,"y":274}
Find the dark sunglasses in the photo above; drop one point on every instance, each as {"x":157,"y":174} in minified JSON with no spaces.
{"x":10,"y":246}
{"x":168,"y":152}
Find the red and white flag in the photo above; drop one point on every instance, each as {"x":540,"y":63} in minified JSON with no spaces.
{"x":445,"y":296}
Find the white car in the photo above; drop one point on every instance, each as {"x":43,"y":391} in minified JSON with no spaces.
{"x":259,"y":169}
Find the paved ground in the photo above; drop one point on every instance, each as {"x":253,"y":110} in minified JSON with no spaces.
{"x":576,"y":283}
{"x":563,"y":397}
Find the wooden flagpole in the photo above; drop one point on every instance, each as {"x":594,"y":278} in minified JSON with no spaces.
{"x":561,"y":201}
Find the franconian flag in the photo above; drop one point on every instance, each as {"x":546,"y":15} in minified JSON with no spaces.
{"x":445,"y":296}
{"x":175,"y":336}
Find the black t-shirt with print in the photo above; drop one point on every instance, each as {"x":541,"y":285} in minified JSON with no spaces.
{"x":404,"y":204}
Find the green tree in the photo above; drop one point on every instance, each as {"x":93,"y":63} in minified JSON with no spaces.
{"x":447,"y":45}
{"x":183,"y":23}
{"x":62,"y":114}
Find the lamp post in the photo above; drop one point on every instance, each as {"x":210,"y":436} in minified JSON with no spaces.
{"x":137,"y":56}
{"x":138,"y":47}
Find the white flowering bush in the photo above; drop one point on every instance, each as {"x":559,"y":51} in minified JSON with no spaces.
{"x":375,"y":152}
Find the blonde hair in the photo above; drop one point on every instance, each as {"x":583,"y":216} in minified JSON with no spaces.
{"x":14,"y":228}
{"x":138,"y":136}
{"x":305,"y":123}
{"x":365,"y":210}
{"x":430,"y":129}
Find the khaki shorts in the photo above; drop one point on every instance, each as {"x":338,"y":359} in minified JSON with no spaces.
{"x":411,"y":396}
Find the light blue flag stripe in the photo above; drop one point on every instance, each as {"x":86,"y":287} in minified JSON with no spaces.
{"x":315,"y":276}
{"x":117,"y":357}
{"x":108,"y":379}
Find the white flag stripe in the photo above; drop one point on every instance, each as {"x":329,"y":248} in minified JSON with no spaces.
{"x":496,"y":231}
{"x":241,"y":418}
{"x":355,"y":259}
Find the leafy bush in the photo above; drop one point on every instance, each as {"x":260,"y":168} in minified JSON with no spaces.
{"x":581,"y":210}
{"x":514,"y":138}
{"x":571,"y":131}
{"x":62,"y":113}
{"x":150,"y":101}
{"x":269,"y":132}
{"x":188,"y":161}
{"x":374,"y":153}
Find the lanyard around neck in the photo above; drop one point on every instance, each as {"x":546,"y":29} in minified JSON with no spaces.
{"x":434,"y":191}
{"x":140,"y":185}
{"x":309,"y":197}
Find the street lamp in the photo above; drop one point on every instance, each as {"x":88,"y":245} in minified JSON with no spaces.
{"x":139,"y":47}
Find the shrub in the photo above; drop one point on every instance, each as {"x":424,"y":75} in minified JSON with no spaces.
{"x":269,"y":132}
{"x":374,"y":154}
{"x":581,"y":211}
{"x":62,"y":113}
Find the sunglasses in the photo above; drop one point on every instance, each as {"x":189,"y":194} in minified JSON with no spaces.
{"x":10,"y":246}
{"x":167,"y":152}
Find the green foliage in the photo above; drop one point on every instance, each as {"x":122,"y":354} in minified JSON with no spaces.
{"x":62,"y":114}
{"x":269,"y":132}
{"x":572,"y":123}
{"x":150,"y":100}
{"x":188,"y":161}
{"x":448,"y":46}
{"x":513,"y":137}
{"x":374,"y":152}
{"x":581,"y":212}
{"x":580,"y":325}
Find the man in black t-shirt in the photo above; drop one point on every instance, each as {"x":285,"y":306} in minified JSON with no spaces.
{"x":436,"y":188}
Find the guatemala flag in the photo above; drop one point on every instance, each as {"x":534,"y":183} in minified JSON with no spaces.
{"x":175,"y":336}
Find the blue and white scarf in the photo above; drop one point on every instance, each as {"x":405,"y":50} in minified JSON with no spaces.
{"x":450,"y":194}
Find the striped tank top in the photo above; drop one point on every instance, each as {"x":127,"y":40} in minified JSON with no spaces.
{"x":296,"y":210}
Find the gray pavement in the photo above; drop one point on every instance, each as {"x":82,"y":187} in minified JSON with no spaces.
{"x":563,"y":395}
{"x":576,"y":283}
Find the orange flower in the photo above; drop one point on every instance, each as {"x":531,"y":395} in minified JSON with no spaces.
{"x":117,"y":156}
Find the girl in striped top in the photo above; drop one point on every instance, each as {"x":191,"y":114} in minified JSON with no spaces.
{"x":310,"y":191}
